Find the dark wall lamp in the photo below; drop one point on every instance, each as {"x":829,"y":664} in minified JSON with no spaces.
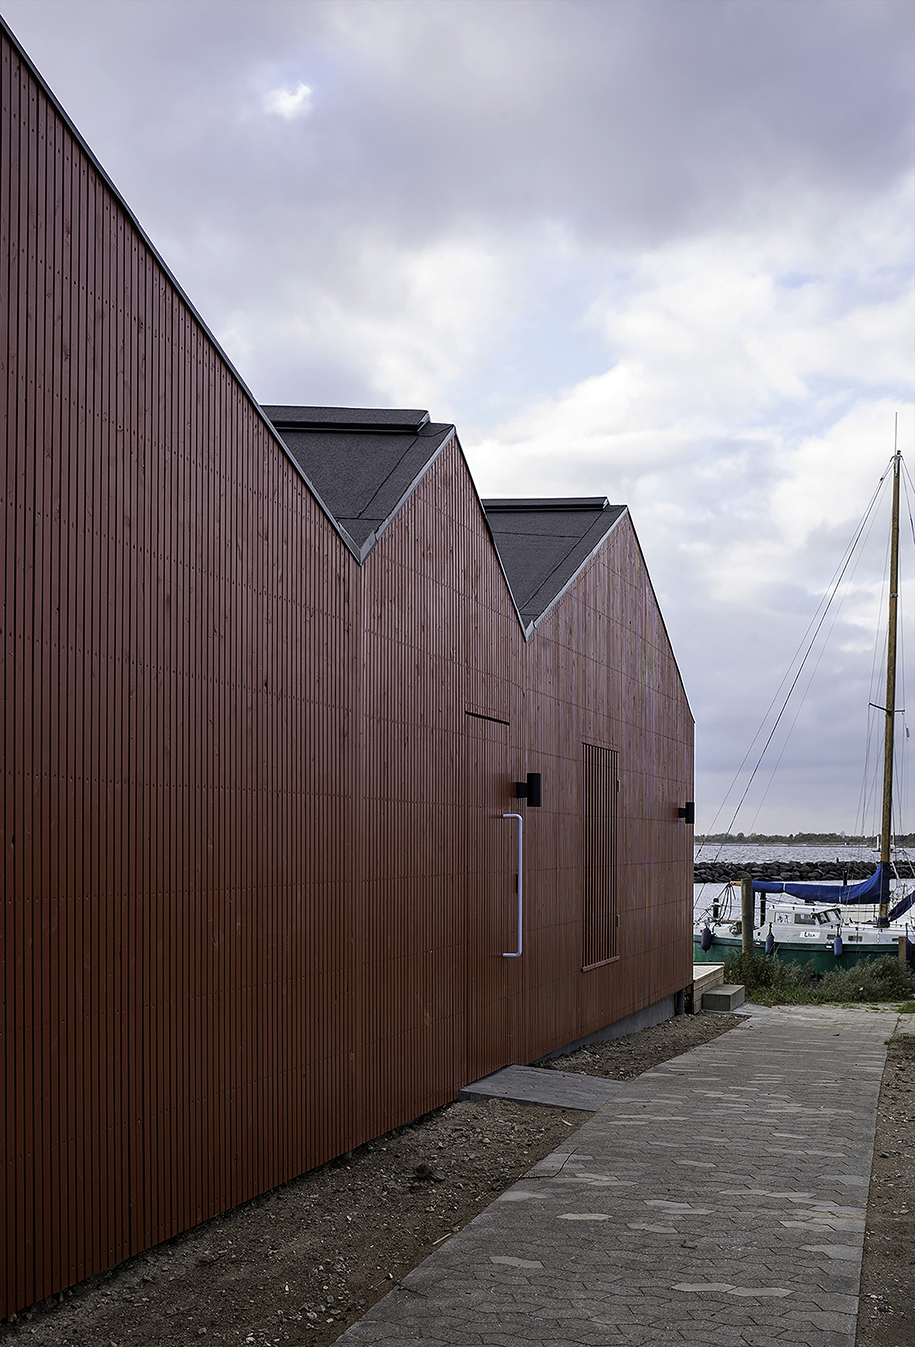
{"x":530,"y":790}
{"x":688,"y":811}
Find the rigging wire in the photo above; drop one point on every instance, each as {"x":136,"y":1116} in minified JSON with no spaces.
{"x":800,"y":704}
{"x":724,"y":897}
{"x":805,"y":646}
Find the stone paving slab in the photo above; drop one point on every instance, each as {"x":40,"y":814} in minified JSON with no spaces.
{"x":718,"y":1200}
{"x":534,"y":1085}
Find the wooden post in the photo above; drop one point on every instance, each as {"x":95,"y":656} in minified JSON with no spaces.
{"x":746,"y":913}
{"x":900,"y":943}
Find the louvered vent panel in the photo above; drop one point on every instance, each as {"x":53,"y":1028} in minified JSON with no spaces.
{"x":600,"y":769}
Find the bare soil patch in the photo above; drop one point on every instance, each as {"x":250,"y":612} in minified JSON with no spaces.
{"x":886,"y":1315}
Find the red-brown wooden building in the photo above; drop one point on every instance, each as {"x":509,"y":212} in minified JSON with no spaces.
{"x":269,"y":678}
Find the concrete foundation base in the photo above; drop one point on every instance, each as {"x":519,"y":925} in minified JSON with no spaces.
{"x":664,"y":1009}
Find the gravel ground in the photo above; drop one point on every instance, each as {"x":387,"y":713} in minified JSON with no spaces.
{"x":301,"y":1263}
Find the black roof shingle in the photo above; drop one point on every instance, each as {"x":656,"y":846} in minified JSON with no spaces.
{"x":544,"y":543}
{"x":362,"y":463}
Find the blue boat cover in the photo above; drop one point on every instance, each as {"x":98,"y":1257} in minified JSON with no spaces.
{"x":902,"y":906}
{"x":873,"y":890}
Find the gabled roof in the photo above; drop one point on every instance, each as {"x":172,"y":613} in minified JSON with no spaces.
{"x":544,"y":543}
{"x":362,"y":463}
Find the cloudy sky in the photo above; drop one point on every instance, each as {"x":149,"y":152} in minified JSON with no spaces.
{"x":660,"y":250}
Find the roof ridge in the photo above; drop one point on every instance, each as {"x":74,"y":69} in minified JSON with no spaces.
{"x":377,"y":420}
{"x":531,"y":504}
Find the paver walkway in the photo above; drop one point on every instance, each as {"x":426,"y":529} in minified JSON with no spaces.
{"x":718,"y":1200}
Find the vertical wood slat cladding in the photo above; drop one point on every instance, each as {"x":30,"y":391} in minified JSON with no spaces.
{"x":173,"y":929}
{"x":256,"y":879}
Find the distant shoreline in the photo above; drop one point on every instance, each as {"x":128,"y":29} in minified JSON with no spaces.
{"x":796,"y":840}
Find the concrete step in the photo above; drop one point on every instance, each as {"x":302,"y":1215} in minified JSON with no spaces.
{"x":728,"y":996}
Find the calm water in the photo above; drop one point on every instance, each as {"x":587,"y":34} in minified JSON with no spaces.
{"x":705,"y":894}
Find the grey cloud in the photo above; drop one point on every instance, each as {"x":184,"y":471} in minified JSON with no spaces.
{"x":733,"y":664}
{"x":629,"y":121}
{"x":626,"y":124}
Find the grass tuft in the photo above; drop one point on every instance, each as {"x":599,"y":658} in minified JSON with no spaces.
{"x":772,"y":983}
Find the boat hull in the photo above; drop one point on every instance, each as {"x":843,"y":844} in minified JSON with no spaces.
{"x":820,"y":957}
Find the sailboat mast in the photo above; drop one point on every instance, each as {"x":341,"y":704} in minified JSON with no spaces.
{"x":887,"y":824}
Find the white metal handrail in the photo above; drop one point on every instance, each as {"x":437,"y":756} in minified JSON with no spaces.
{"x":516,"y":954}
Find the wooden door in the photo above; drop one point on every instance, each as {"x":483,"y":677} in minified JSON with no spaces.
{"x":493,"y":981}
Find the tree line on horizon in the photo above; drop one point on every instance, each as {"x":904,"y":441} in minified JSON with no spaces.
{"x":801,"y":839}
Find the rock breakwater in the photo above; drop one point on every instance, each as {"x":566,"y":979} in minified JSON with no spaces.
{"x":851,"y":872}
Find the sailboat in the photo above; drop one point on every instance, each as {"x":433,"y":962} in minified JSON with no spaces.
{"x":822,"y":924}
